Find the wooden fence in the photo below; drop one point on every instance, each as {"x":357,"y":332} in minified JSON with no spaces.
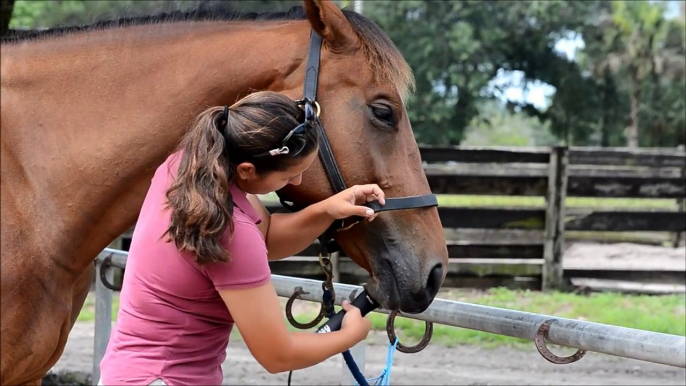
{"x":554,"y":173}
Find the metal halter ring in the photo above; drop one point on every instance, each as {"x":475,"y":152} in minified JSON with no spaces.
{"x":289,"y":312}
{"x":309,"y":102}
{"x":319,"y":109}
{"x":106,"y":263}
{"x":539,"y":339}
{"x":390,"y":330}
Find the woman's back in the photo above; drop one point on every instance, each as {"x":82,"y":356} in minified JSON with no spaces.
{"x":172,"y":323}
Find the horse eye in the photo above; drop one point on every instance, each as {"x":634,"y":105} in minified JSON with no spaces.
{"x":383,"y":113}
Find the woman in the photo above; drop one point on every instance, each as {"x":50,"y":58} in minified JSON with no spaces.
{"x":198,"y":261}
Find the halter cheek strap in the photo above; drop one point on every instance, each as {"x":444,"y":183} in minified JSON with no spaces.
{"x":325,"y":151}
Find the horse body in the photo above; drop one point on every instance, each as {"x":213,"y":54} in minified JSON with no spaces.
{"x":88,"y":117}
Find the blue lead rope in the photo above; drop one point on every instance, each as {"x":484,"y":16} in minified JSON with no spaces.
{"x":382,"y":380}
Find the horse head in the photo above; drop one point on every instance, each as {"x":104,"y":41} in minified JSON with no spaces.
{"x":363,"y":86}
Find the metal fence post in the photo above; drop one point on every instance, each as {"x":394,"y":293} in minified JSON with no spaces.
{"x":103,"y":319}
{"x":359,"y":353}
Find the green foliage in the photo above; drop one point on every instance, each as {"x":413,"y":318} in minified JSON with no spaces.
{"x":496,"y":126}
{"x":631,"y":86}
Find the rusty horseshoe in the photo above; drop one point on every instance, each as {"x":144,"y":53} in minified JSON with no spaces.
{"x":390,"y":330}
{"x":539,"y":339}
{"x":289,"y":312}
{"x":107,"y":263}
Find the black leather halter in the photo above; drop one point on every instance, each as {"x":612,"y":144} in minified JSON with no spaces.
{"x":329,"y":162}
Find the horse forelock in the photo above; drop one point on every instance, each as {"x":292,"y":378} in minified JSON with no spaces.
{"x":386,"y":61}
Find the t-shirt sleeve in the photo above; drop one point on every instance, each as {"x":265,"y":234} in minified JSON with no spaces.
{"x":248,"y":266}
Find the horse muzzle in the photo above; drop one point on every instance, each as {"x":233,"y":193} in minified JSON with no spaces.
{"x":399,"y":284}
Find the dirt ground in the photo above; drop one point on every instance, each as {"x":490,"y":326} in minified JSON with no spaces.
{"x":436,"y":365}
{"x":462,"y":365}
{"x":624,"y":256}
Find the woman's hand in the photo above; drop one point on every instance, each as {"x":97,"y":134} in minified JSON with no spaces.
{"x":347,"y":203}
{"x":354,"y":323}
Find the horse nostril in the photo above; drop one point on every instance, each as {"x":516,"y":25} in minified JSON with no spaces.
{"x":433,"y":283}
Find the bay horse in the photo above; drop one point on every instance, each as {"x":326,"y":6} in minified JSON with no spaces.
{"x":89,"y":113}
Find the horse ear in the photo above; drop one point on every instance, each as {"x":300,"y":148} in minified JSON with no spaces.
{"x":329,"y":22}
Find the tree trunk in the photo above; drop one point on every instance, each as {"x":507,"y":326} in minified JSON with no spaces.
{"x":6,"y":7}
{"x":604,"y":118}
{"x":658,"y":124}
{"x":632,"y":129}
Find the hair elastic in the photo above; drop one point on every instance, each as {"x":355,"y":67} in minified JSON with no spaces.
{"x":224,"y":118}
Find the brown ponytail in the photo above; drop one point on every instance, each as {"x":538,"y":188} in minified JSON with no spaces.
{"x":199,"y":198}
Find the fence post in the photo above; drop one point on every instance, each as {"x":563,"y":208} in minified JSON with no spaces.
{"x":553,"y":247}
{"x":681,"y":208}
{"x":335,"y":263}
{"x":359,"y":353}
{"x":103,"y":319}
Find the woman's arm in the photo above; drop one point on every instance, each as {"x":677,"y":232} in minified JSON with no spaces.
{"x":290,"y":233}
{"x":278,"y":229}
{"x":257,"y":313}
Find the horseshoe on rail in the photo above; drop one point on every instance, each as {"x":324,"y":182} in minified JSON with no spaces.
{"x":390,"y":330}
{"x":539,"y":339}
{"x":289,"y":312}
{"x":103,"y":272}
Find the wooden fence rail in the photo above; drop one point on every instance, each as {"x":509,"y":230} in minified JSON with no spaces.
{"x":556,"y":174}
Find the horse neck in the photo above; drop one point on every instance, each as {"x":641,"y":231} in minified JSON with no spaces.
{"x":91,"y":117}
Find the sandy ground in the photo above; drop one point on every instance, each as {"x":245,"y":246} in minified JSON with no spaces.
{"x":624,"y":256}
{"x":462,"y":365}
{"x":436,"y":365}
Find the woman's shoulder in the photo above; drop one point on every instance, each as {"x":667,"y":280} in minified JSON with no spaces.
{"x":244,"y":229}
{"x":248,"y":262}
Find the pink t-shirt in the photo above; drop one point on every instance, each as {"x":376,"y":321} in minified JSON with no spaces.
{"x":172,"y":323}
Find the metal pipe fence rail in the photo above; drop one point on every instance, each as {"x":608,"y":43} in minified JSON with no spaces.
{"x":585,"y":336}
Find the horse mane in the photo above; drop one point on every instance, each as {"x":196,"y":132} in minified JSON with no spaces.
{"x":386,"y":61}
{"x":204,"y":11}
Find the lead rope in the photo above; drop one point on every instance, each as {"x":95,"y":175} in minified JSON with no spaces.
{"x":328,"y":301}
{"x":382,"y":380}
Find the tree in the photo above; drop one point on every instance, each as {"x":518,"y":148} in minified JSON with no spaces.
{"x":594,"y":105}
{"x":457,"y":48}
{"x":6,"y":7}
{"x":638,"y":32}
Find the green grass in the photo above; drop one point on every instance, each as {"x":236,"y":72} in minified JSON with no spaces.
{"x":666,"y":314}
{"x":87,"y":313}
{"x":525,"y":201}
{"x":572,"y":202}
